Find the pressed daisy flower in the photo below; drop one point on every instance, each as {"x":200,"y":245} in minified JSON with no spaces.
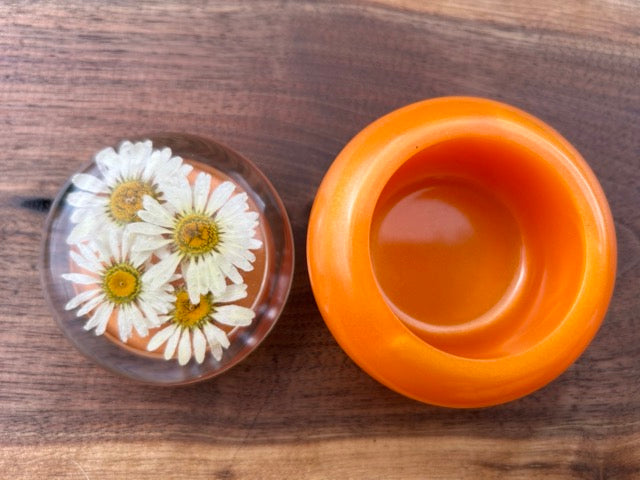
{"x":191,"y":326}
{"x":210,"y":234}
{"x":115,"y":283}
{"x":111,"y":202}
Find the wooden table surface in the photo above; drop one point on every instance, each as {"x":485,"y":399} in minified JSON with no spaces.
{"x":288,"y":84}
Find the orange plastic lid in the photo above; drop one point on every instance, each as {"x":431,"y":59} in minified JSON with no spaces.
{"x":461,"y":252}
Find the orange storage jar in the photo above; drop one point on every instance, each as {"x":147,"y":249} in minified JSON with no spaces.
{"x":461,"y":252}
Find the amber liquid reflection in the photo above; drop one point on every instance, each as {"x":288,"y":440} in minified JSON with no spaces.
{"x":477,"y":247}
{"x":445,"y":253}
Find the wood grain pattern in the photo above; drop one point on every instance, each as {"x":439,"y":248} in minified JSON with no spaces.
{"x":288,"y":84}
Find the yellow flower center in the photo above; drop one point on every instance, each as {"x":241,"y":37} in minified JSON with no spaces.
{"x":126,"y":200}
{"x":188,"y":315}
{"x":121,"y":283}
{"x":196,"y":234}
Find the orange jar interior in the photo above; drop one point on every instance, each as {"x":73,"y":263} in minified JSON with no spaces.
{"x":477,"y":246}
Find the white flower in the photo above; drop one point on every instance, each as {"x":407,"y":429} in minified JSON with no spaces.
{"x":191,"y":326}
{"x":210,"y":234}
{"x":115,"y":283}
{"x":111,"y":202}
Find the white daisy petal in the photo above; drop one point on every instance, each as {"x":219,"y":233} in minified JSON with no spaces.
{"x":161,"y":337}
{"x":103,"y":249}
{"x":176,"y":168}
{"x":151,"y":167}
{"x":184,"y":348}
{"x":233,"y":248}
{"x":90,"y":305}
{"x":173,"y":197}
{"x":124,"y":324}
{"x":114,"y":243}
{"x":150,"y":313}
{"x":138,"y":321}
{"x":235,"y":276}
{"x":125,"y":148}
{"x":163,"y":252}
{"x":125,"y":242}
{"x":242,"y":216}
{"x":166,"y":296}
{"x":169,"y":169}
{"x":94,"y":319}
{"x":82,"y":262}
{"x":84,"y":200}
{"x":185,"y":169}
{"x":232,"y":293}
{"x":236,"y":246}
{"x":233,"y":215}
{"x":211,"y":338}
{"x":82,"y":231}
{"x":161,"y":271}
{"x":199,"y":345}
{"x":238,"y":211}
{"x":89,"y":255}
{"x":102,"y":314}
{"x":104,"y":321}
{"x":146,"y":147}
{"x":219,"y":196}
{"x":228,"y":269}
{"x":161,"y":156}
{"x":157,"y":300}
{"x":154,"y":213}
{"x":179,"y":194}
{"x":143,"y":228}
{"x":150,"y":244}
{"x":216,"y":335}
{"x":202,"y":273}
{"x":216,"y":351}
{"x":254,"y":244}
{"x":245,"y":253}
{"x":106,"y":160}
{"x":80,"y":278}
{"x":139,"y":258}
{"x":234,"y":315}
{"x":187,"y":193}
{"x":238,"y":261}
{"x":214,"y":279}
{"x":252,"y":216}
{"x":149,"y":324}
{"x":237,"y":203}
{"x":249,"y":256}
{"x":201,"y":191}
{"x":161,"y":307}
{"x":79,"y":214}
{"x":172,"y":344}
{"x":192,"y":280}
{"x":151,"y":163}
{"x":81,"y":298}
{"x":238,"y":233}
{"x":89,"y":183}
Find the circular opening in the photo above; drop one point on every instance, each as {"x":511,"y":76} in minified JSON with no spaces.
{"x":477,"y":246}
